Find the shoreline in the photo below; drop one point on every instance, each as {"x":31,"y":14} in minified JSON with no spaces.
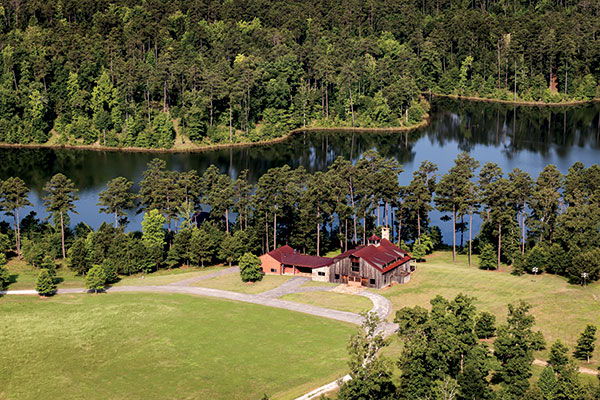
{"x":515,"y":102}
{"x":216,"y":146}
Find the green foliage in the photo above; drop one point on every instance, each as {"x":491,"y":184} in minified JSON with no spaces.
{"x":514,"y":347}
{"x":422,"y":246}
{"x":371,"y":376}
{"x":233,"y":246}
{"x":79,"y":257}
{"x":250,"y":268}
{"x":95,"y":279}
{"x":45,"y":284}
{"x":586,"y":344}
{"x":4,"y":274}
{"x":485,"y":327}
{"x":487,"y":257}
{"x":585,"y":267}
{"x":153,"y":233}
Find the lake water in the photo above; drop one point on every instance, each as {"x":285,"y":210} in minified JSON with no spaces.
{"x":513,"y":137}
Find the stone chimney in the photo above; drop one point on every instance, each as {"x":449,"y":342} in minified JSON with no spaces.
{"x":385,"y":232}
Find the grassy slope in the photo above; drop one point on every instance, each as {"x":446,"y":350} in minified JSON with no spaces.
{"x":233,"y":283}
{"x":561,"y":310}
{"x":142,"y":346}
{"x":24,"y":276}
{"x":337,"y":301}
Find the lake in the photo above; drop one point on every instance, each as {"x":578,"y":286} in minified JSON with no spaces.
{"x":522,"y":137}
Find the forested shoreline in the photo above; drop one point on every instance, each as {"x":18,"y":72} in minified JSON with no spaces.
{"x":197,"y":73}
{"x":547,"y":224}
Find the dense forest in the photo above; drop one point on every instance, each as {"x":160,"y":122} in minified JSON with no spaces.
{"x":158,"y":74}
{"x":547,"y":224}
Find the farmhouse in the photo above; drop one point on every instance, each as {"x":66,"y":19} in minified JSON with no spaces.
{"x":378,"y":264}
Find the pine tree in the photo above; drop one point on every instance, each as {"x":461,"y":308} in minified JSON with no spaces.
{"x":79,"y":257}
{"x":487,"y":257}
{"x":485,"y":326}
{"x":558,"y":358}
{"x":547,"y":383}
{"x":45,"y":284}
{"x":514,"y":347}
{"x":586,"y":344}
{"x":117,"y":198}
{"x":61,"y":195}
{"x":13,"y":197}
{"x":95,"y":280}
{"x":454,"y":192}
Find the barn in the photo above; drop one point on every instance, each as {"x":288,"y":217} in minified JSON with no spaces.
{"x":376,"y":265}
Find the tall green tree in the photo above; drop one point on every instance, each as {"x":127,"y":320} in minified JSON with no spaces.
{"x":586,"y":344}
{"x":419,"y":193}
{"x":13,"y":197}
{"x":514,"y":347}
{"x":117,"y":198}
{"x":59,"y":200}
{"x":454,"y":192}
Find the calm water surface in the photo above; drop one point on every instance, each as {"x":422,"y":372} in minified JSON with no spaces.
{"x":513,"y":137}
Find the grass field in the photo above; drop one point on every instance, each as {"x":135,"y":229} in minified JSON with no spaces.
{"x":233,"y":283}
{"x":142,"y":346}
{"x":166,"y":276}
{"x":337,"y":301}
{"x":561,"y":310}
{"x":23,"y":276}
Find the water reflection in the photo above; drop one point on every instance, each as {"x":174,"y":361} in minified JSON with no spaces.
{"x":525,"y":137}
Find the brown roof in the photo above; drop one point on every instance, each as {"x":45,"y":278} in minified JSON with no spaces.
{"x":384,"y":257}
{"x":288,"y":256}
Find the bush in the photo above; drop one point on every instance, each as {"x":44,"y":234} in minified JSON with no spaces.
{"x":45,"y":284}
{"x":95,"y":279}
{"x":250,"y":268}
{"x":4,"y":275}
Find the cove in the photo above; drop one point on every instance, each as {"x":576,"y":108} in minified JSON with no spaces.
{"x":525,"y":137}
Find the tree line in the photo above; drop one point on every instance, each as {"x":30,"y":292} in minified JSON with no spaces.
{"x":131,"y":73}
{"x":455,"y":351}
{"x":548,"y":224}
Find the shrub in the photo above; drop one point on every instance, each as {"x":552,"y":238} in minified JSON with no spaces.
{"x":95,"y":279}
{"x":250,"y":269}
{"x":45,"y":284}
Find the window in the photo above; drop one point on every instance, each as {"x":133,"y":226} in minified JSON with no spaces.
{"x":321,"y":273}
{"x":337,"y":276}
{"x":372,"y":281}
{"x":273,"y":270}
{"x":355,"y":266}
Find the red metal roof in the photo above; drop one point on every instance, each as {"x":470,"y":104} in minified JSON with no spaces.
{"x":279,"y":252}
{"x":384,"y":257}
{"x":374,"y":238}
{"x":287,"y":255}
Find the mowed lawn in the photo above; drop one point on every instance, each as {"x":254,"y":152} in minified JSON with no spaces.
{"x":561,"y":310}
{"x":163,"y":346}
{"x":233,"y":282}
{"x":337,"y":301}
